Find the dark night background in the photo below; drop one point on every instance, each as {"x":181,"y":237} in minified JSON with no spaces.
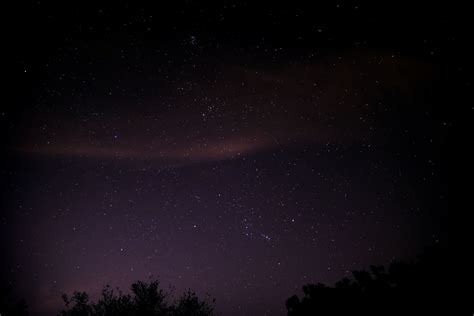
{"x":241,"y":150}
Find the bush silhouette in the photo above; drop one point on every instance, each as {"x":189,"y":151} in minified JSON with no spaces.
{"x":146,"y":298}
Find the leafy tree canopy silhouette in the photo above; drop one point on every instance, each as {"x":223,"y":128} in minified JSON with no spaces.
{"x":146,"y":298}
{"x":415,"y":288}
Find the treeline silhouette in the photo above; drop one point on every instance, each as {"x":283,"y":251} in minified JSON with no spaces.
{"x":146,"y":298}
{"x":421,"y":287}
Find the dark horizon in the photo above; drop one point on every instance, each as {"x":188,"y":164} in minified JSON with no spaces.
{"x":241,"y":150}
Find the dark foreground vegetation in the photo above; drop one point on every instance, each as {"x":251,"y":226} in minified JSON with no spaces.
{"x":422,"y":287}
{"x":146,"y":299}
{"x":10,"y":304}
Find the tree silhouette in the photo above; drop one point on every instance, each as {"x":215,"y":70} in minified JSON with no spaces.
{"x":415,"y":288}
{"x":190,"y":304}
{"x":146,"y":298}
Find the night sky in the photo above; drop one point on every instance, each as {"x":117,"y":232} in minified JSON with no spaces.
{"x":240,"y":150}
